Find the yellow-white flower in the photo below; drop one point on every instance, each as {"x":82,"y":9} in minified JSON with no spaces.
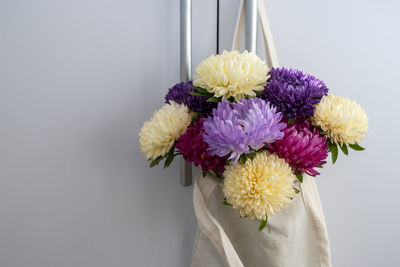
{"x":232,"y":74}
{"x":260,"y":187}
{"x":159,"y":134}
{"x":344,"y":121}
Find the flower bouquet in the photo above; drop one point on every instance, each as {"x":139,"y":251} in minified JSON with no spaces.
{"x":257,"y":129}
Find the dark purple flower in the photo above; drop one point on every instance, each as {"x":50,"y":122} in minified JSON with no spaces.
{"x":194,"y":149}
{"x":242,"y":127}
{"x":293,"y":92}
{"x":180,"y":93}
{"x":302,"y":147}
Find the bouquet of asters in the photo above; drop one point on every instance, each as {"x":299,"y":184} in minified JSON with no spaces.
{"x":258,"y":129}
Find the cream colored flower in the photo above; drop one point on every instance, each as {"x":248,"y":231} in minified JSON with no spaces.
{"x":159,"y":134}
{"x":344,"y":121}
{"x":232,"y":74}
{"x":261,"y":186}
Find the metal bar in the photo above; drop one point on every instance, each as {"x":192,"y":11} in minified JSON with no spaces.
{"x":186,"y":69}
{"x":251,"y":25}
{"x":217,"y":48}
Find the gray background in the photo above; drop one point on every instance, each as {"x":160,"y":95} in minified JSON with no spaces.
{"x":77,"y":80}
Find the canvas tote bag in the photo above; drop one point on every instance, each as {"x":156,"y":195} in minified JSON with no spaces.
{"x":295,"y":237}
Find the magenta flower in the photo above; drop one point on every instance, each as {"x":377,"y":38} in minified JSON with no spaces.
{"x":194,"y":149}
{"x":302,"y":147}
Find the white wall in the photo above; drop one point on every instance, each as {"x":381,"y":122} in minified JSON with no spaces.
{"x":77,"y":80}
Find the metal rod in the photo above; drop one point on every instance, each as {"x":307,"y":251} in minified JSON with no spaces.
{"x":251,"y":25}
{"x":217,"y":48}
{"x":186,"y":69}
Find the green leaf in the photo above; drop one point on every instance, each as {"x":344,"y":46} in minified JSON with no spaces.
{"x":201,"y":90}
{"x":334,"y":151}
{"x":170,"y":157}
{"x":198,"y":94}
{"x":204,"y":173}
{"x":195,"y":116}
{"x":296,"y":190}
{"x":219,"y":175}
{"x":344,"y":149}
{"x":323,"y":132}
{"x":320,"y":166}
{"x":214,"y":99}
{"x":263,"y":223}
{"x":226,"y":203}
{"x":156,"y":161}
{"x":243,"y":158}
{"x":231,"y":99}
{"x":300,"y":177}
{"x":356,"y":147}
{"x":252,"y":155}
{"x":290,"y":120}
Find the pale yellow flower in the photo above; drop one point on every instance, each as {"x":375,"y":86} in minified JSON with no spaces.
{"x":343,"y":120}
{"x":232,"y":74}
{"x":261,"y":186}
{"x":159,"y":134}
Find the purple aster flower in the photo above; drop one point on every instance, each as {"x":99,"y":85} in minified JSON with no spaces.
{"x":180,"y":93}
{"x":242,"y":127}
{"x":293,"y":92}
{"x":194,"y":149}
{"x":302,"y":147}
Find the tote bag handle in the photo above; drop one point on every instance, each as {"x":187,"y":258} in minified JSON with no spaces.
{"x":270,"y":50}
{"x":204,"y":187}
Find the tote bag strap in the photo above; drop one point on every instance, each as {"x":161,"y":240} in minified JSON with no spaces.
{"x":203,"y":188}
{"x":269,"y":45}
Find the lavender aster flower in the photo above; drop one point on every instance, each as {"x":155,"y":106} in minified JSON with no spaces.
{"x":242,"y":127}
{"x":180,"y":93}
{"x":293,"y":92}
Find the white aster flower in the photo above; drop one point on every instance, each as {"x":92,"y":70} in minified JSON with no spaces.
{"x":159,"y":134}
{"x":232,"y":74}
{"x":259,"y":187}
{"x":344,"y":121}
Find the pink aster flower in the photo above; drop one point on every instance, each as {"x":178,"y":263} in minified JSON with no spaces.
{"x":194,"y":149}
{"x":302,"y":147}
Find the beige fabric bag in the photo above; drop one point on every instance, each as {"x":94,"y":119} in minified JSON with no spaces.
{"x":295,"y":237}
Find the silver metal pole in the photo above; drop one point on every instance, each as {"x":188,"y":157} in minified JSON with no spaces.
{"x":251,"y":25}
{"x":186,"y":70}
